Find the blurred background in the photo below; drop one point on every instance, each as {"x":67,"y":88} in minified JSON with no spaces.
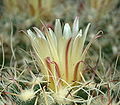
{"x":16,"y":16}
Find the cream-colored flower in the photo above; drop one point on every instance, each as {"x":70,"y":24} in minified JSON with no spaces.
{"x":27,"y":94}
{"x":60,"y":53}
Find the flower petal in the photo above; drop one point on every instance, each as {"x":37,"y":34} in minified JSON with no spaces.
{"x":76,"y":26}
{"x":31,"y":34}
{"x":39,"y":33}
{"x":67,"y":31}
{"x":58,"y":28}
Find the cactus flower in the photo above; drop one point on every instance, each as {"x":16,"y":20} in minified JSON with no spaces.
{"x":60,"y":53}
